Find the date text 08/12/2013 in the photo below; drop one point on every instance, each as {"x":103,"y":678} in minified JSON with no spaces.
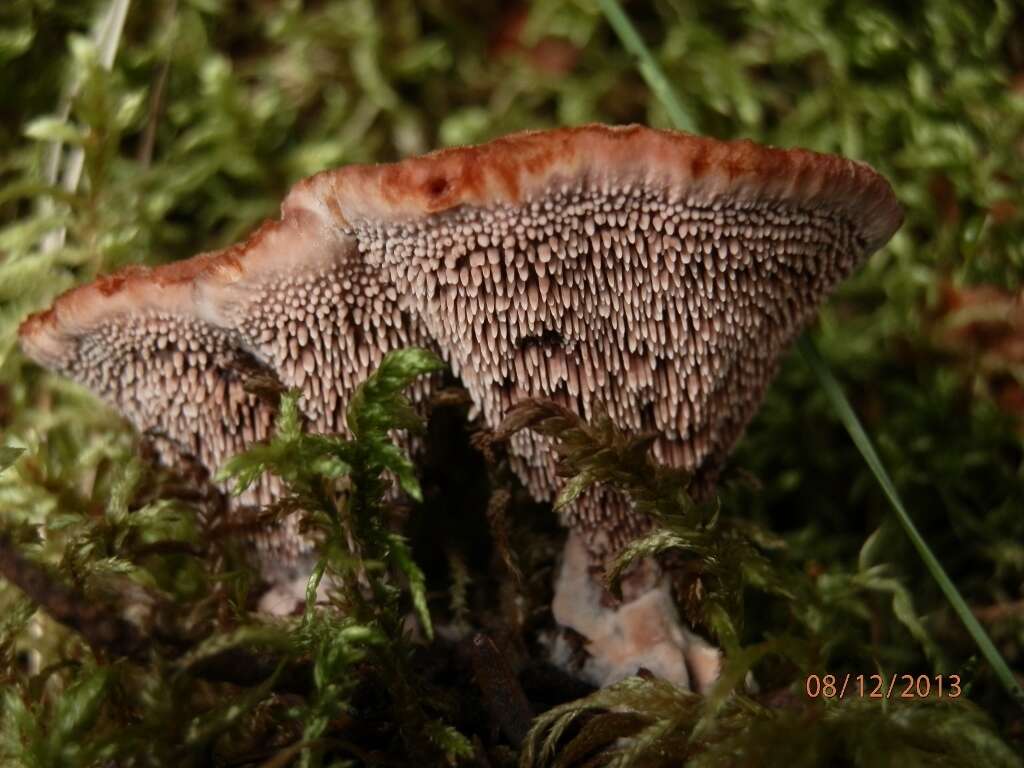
{"x":876,"y":687}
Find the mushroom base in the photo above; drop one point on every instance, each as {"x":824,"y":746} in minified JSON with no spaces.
{"x":643,"y":632}
{"x":285,"y":597}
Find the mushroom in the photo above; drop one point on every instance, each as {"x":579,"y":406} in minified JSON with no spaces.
{"x":656,"y":275}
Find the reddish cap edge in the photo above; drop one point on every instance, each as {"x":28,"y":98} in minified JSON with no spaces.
{"x":508,"y":169}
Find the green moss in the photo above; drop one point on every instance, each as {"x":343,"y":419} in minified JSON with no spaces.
{"x":213,"y":109}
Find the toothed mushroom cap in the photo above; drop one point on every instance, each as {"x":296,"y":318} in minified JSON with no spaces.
{"x":655,"y":274}
{"x":169,"y":346}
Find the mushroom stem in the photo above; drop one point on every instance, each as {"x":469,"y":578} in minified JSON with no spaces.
{"x":643,"y":632}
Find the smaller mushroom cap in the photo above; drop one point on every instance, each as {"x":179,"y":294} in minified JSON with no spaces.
{"x":170,"y":346}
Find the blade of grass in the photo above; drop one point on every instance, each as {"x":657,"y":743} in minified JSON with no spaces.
{"x":647,"y":65}
{"x":107,"y":37}
{"x":659,"y":84}
{"x":841,"y":405}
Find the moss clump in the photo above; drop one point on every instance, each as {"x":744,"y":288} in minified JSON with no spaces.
{"x":212,"y":110}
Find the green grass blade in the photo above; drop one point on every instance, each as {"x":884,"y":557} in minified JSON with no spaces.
{"x":647,"y":65}
{"x":841,"y":405}
{"x":682,"y":120}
